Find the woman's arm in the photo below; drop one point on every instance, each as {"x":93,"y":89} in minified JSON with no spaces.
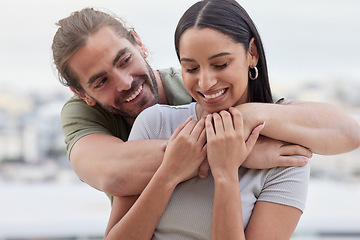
{"x":138,"y":221}
{"x":227,"y":150}
{"x":178,"y":165}
{"x":275,"y":221}
{"x":321,"y":127}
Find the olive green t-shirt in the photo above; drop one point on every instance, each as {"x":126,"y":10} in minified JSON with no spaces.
{"x":79,"y":119}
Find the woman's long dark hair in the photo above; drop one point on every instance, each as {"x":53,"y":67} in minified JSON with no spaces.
{"x":228,"y":17}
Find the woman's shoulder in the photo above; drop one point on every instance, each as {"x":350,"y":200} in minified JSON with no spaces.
{"x":167,"y":111}
{"x":160,"y":121}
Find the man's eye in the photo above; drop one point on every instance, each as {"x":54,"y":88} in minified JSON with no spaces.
{"x":100,"y":83}
{"x":126,"y":60}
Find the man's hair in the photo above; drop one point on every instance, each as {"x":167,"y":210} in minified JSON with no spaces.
{"x":73,"y":34}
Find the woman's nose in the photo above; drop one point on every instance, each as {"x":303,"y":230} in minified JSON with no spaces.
{"x":207,"y":80}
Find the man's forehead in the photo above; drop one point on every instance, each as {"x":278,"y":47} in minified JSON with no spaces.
{"x":106,"y":36}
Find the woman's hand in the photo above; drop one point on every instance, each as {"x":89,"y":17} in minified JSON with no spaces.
{"x":185,"y":151}
{"x":227,"y":147}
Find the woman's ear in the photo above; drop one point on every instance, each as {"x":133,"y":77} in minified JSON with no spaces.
{"x":89,"y":100}
{"x":143,"y":48}
{"x":253,"y":53}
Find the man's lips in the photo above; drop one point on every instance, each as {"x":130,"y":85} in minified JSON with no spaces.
{"x":135,"y":94}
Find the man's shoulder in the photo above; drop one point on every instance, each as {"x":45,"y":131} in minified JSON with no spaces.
{"x":75,"y":107}
{"x":174,"y":88}
{"x":75,"y":103}
{"x":170,"y":72}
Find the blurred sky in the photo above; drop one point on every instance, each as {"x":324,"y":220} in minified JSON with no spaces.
{"x":316,"y":40}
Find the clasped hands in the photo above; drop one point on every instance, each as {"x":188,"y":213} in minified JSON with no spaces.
{"x":222,"y":136}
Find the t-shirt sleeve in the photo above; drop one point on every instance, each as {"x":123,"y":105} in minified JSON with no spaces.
{"x":287,"y":186}
{"x":78,"y":120}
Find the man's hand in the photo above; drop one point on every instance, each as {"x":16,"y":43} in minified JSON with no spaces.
{"x":269,"y":153}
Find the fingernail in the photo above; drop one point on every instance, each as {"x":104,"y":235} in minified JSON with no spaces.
{"x":262,"y":125}
{"x":189,"y":119}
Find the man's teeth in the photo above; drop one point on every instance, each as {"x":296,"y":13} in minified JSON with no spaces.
{"x":214,"y":95}
{"x":132,"y":97}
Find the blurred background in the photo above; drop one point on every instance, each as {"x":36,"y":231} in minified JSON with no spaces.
{"x":313,"y":54}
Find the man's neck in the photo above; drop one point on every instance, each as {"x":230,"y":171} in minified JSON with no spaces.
{"x":162,"y":95}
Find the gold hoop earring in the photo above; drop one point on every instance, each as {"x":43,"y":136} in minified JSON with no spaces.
{"x":256,"y":73}
{"x":145,"y":54}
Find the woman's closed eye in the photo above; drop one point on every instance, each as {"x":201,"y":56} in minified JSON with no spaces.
{"x":221,"y":66}
{"x":191,"y":70}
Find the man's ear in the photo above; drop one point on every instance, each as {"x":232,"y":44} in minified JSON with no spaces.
{"x":89,"y":100}
{"x":253,"y":53}
{"x":143,"y":48}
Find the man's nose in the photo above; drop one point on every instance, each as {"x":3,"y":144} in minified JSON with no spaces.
{"x":122,"y":81}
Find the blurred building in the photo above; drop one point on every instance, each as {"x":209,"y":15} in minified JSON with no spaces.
{"x":30,"y":129}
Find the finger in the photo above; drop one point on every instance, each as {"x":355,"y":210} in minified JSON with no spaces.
{"x":292,"y":161}
{"x":180,"y":127}
{"x":202,"y":137}
{"x":210,"y":132}
{"x":227,"y":120}
{"x":237,"y":119}
{"x":188,"y":128}
{"x":218,"y":123}
{"x":293,"y":149}
{"x":250,"y":142}
{"x":204,"y":169}
{"x":164,"y":145}
{"x":198,"y":128}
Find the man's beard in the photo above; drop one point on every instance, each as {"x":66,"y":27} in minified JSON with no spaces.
{"x":151,"y":82}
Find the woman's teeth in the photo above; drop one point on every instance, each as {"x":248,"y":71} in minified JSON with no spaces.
{"x":132,"y":97}
{"x":214,"y":95}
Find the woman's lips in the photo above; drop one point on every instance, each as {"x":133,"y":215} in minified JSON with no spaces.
{"x":214,"y":95}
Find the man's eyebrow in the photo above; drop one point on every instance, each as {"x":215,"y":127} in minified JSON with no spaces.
{"x":93,"y":78}
{"x":212,"y":57}
{"x":119,"y":54}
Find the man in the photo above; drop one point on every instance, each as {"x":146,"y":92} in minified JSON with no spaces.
{"x":104,"y":64}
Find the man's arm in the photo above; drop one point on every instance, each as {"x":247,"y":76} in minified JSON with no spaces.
{"x":118,"y":168}
{"x":321,"y":127}
{"x":124,"y":168}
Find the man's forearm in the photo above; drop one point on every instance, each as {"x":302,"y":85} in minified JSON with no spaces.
{"x":113,"y":166}
{"x":321,"y":127}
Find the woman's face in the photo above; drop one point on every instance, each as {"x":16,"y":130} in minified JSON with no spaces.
{"x":214,"y":68}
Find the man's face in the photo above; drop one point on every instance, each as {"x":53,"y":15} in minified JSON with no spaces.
{"x":114,"y":74}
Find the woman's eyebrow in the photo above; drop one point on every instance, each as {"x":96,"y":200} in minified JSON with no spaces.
{"x":212,"y":57}
{"x":219,"y":55}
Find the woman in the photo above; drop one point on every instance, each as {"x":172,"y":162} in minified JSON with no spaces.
{"x":223,"y":65}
